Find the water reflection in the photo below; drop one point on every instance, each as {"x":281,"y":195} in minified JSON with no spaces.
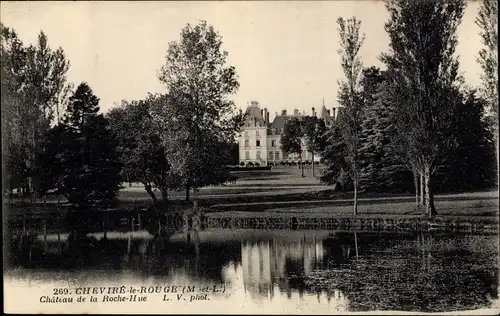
{"x":315,"y":271}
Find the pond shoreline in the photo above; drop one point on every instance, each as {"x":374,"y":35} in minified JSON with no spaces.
{"x":354,"y":223}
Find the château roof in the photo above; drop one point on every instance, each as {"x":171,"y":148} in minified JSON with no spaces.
{"x":256,"y":116}
{"x":279,"y":123}
{"x":253,"y":113}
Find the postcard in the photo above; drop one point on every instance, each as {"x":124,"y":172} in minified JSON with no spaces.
{"x":250,"y":157}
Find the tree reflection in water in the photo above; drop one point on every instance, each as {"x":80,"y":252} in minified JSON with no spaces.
{"x":357,"y":271}
{"x":427,"y":273}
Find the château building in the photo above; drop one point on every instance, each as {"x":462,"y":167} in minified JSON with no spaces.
{"x":259,"y":140}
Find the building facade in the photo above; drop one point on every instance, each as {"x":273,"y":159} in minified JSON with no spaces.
{"x":259,"y":140}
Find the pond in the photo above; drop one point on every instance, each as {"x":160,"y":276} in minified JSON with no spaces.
{"x":287,"y":271}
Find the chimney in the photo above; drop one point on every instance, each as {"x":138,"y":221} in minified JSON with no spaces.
{"x":267,"y":117}
{"x":334,"y":113}
{"x":328,"y":112}
{"x":283,"y":112}
{"x":262,"y":113}
{"x":313,"y":111}
{"x":295,"y":112}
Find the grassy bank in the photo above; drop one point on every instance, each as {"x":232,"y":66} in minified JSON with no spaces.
{"x":283,"y":192}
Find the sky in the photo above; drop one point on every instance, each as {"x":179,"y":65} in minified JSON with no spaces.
{"x":284,"y":52}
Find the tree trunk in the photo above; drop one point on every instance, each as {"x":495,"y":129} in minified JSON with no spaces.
{"x":150,"y":192}
{"x":430,"y":209}
{"x":195,"y":200}
{"x":164,"y":193}
{"x":187,"y":192}
{"x":312,"y":154}
{"x":355,"y":182}
{"x":22,"y":191}
{"x":415,"y":182}
{"x":30,"y":189}
{"x":356,"y":245}
{"x":422,"y":189}
{"x":301,"y":166}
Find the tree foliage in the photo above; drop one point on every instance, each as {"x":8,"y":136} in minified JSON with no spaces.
{"x":333,"y":155}
{"x":472,"y":164}
{"x":349,"y":97}
{"x":314,"y":130}
{"x":487,"y":20}
{"x":291,"y":138}
{"x":382,"y":168}
{"x":33,"y":89}
{"x":424,"y":73}
{"x":197,"y":115}
{"x":140,"y":146}
{"x":90,"y":168}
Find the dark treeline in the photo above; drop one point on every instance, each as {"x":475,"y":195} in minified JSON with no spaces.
{"x":412,"y":126}
{"x":56,"y":141}
{"x":469,"y":165}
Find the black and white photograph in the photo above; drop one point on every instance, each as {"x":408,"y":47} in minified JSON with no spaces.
{"x":250,"y":157}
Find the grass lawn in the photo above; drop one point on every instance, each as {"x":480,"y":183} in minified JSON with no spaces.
{"x":474,"y":210}
{"x":284,"y":192}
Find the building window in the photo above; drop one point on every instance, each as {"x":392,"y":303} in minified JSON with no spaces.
{"x":274,"y":131}
{"x":257,"y":143}
{"x":246,"y":133}
{"x":271,"y":155}
{"x":247,"y":143}
{"x":277,"y":155}
{"x":257,"y":133}
{"x":258,"y":154}
{"x":273,"y":143}
{"x":247,"y":155}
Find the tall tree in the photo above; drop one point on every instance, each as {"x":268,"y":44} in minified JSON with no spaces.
{"x":14,"y":123}
{"x":487,"y":20}
{"x":351,"y":41}
{"x":381,"y":166}
{"x":314,"y":131}
{"x":141,"y":150}
{"x":291,"y":139}
{"x":89,"y":160}
{"x":372,"y":136}
{"x":34,"y":79}
{"x":424,"y":74}
{"x":197,"y":114}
